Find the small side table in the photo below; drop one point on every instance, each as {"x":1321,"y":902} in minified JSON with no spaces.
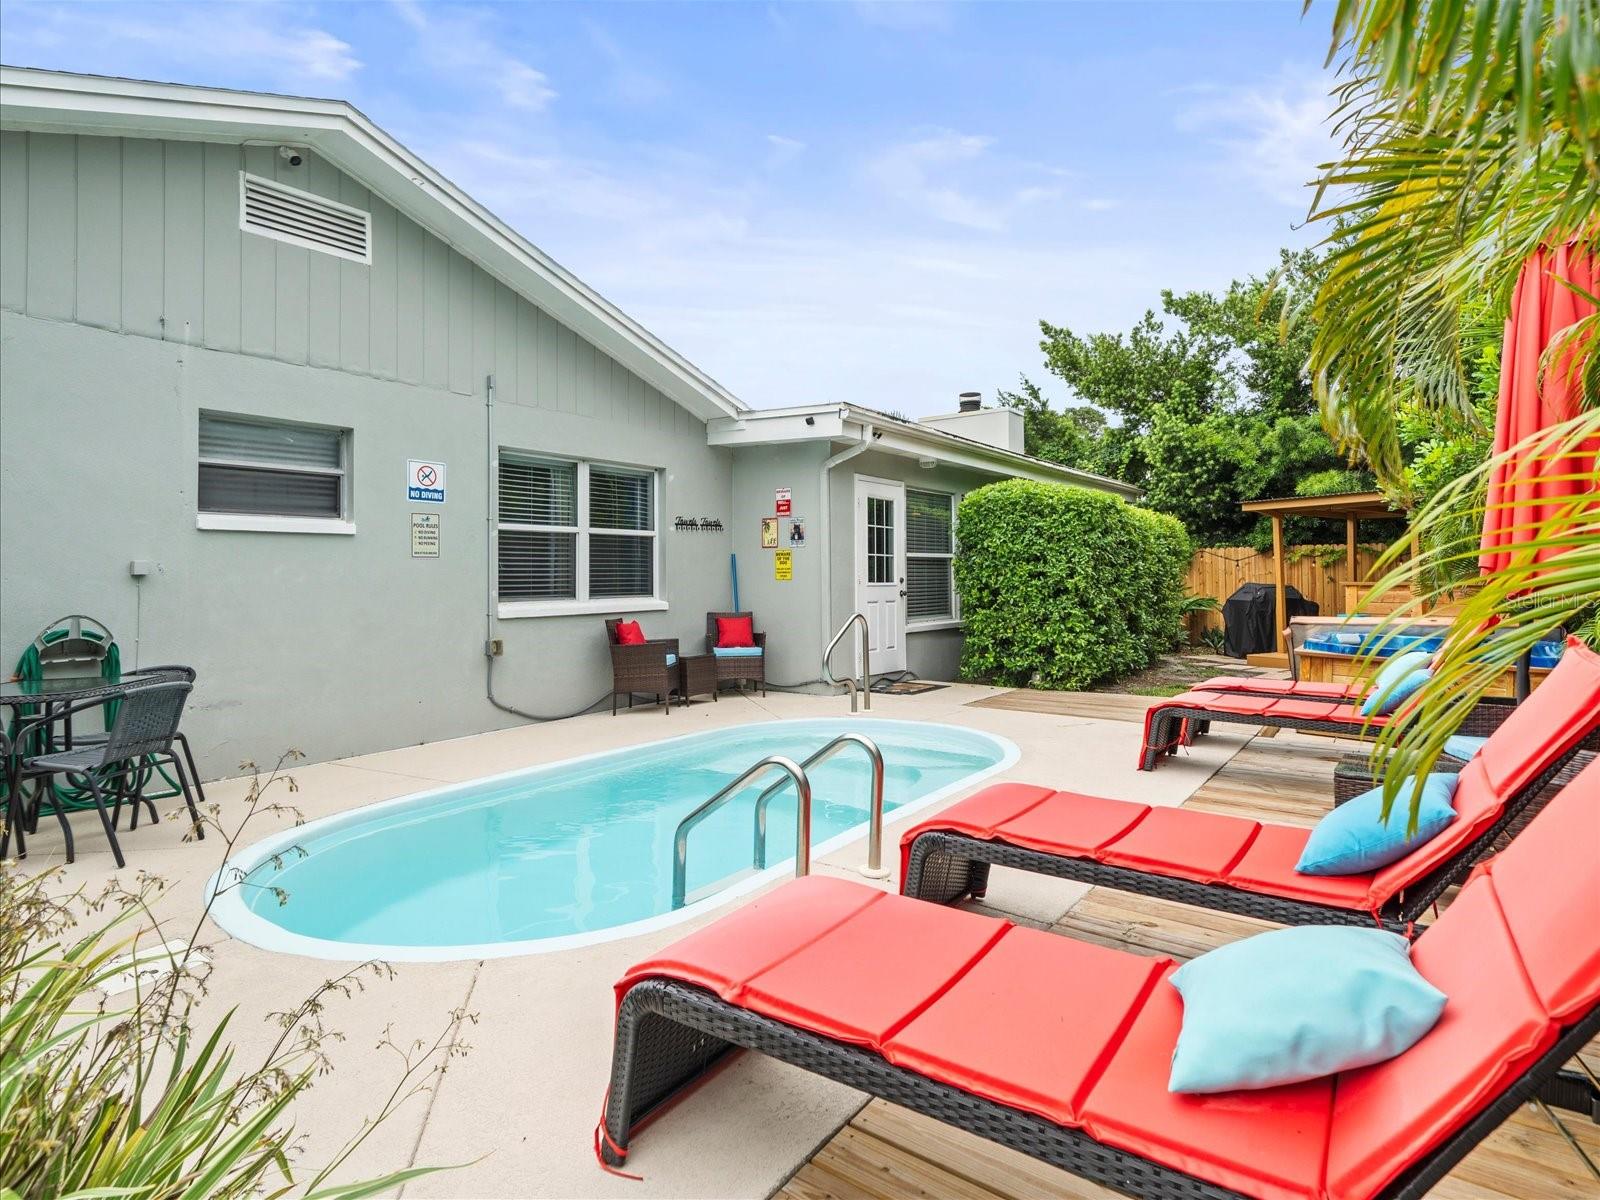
{"x":697,"y":675}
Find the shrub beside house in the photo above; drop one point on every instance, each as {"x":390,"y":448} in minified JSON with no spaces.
{"x":1062,"y":587}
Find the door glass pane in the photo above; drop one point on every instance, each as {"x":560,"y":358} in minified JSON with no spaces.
{"x":880,"y":540}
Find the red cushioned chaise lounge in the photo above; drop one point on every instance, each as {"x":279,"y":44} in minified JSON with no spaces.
{"x":1245,"y":866}
{"x":1062,"y":1049}
{"x":1290,"y":705}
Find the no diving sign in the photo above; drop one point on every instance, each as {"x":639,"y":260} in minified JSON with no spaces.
{"x":425,"y":481}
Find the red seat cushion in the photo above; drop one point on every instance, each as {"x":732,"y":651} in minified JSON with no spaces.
{"x":1032,"y":1024}
{"x":1292,"y":709}
{"x":1545,"y":881}
{"x":1266,"y":1143}
{"x":1387,"y":1116}
{"x":1310,"y":688}
{"x":976,"y":816}
{"x":1071,"y":825}
{"x":866,"y":976}
{"x":1222,"y":703}
{"x":723,"y":955}
{"x":1560,"y":711}
{"x":1268,"y":866}
{"x":735,"y":631}
{"x":1182,"y":842}
{"x":629,"y":634}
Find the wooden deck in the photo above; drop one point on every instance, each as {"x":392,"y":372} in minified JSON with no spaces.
{"x":890,"y":1153}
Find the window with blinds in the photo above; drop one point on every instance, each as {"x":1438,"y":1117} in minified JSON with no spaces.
{"x":269,"y":468}
{"x":930,"y":549}
{"x":575,"y":531}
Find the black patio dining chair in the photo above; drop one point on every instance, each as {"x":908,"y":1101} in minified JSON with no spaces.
{"x":148,"y":769}
{"x":145,"y":727}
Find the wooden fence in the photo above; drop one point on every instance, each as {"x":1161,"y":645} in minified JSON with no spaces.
{"x":1219,"y":570}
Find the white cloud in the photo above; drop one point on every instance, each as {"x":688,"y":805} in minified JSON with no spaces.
{"x":781,"y":151}
{"x":1274,"y":134}
{"x":462,"y":41}
{"x":263,"y":39}
{"x":1098,"y":204}
{"x":918,"y":173}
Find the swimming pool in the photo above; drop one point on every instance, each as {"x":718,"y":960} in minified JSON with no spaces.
{"x":573,"y":852}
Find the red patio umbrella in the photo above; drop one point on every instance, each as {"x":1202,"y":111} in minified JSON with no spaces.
{"x":1521,"y":494}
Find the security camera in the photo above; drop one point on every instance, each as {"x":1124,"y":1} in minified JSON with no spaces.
{"x":290,"y":155}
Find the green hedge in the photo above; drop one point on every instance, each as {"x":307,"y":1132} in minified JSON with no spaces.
{"x":1062,"y":587}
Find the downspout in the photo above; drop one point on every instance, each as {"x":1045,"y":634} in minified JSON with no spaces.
{"x":491,"y":650}
{"x":826,"y":502}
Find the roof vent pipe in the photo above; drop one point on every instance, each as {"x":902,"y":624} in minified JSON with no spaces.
{"x":971,"y":401}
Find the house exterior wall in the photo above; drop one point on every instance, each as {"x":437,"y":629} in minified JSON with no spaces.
{"x":132,"y":301}
{"x":790,"y":611}
{"x":930,"y":653}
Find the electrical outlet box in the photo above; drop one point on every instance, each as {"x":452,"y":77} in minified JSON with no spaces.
{"x":140,"y":567}
{"x":494,"y":648}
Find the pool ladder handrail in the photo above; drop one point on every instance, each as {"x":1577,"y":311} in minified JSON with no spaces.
{"x":874,"y":868}
{"x":802,"y":821}
{"x":858,"y":619}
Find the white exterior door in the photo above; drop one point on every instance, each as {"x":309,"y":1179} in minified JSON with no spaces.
{"x":881,"y":569}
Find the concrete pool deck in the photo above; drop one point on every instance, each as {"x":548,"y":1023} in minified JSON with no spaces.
{"x":520,"y":1108}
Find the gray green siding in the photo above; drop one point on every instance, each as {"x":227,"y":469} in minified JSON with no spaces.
{"x":132,"y":302}
{"x":142,"y":237}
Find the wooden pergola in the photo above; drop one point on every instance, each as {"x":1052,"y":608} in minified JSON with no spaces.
{"x":1352,"y":507}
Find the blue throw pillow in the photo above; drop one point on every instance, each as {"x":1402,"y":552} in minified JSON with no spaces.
{"x":1297,"y":1004}
{"x":1384,"y":699}
{"x":1351,"y":840}
{"x":1463,"y":747}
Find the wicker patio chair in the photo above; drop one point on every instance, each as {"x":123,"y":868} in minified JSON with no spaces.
{"x":742,"y":668}
{"x":648,"y":668}
{"x":1062,"y":1048}
{"x":145,"y":727}
{"x":1231,"y":864}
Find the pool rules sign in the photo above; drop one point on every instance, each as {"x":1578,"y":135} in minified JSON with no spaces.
{"x":424,"y":535}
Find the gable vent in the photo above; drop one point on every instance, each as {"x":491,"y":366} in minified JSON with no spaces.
{"x":287,"y":214}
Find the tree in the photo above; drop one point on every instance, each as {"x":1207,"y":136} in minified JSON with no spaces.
{"x":1215,"y":404}
{"x":1134,"y":376}
{"x":1471,"y":137}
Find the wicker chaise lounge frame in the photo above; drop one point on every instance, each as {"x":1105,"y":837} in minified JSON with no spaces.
{"x":1172,"y":726}
{"x":945,"y":866}
{"x":671,"y":1034}
{"x":641,"y":668}
{"x":738,"y":669}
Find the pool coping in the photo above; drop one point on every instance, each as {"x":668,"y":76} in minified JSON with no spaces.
{"x":229,"y":911}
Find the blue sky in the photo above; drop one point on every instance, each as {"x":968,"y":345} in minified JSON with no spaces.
{"x":873,"y":202}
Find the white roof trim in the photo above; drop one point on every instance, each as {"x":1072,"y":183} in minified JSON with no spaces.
{"x":907,"y":439}
{"x":51,"y":101}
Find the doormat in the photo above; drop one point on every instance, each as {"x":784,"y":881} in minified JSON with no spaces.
{"x":905,"y":687}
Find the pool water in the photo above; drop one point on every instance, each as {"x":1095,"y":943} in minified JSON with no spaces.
{"x":576,"y":851}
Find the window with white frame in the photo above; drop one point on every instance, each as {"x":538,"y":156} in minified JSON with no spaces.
{"x":576,"y":532}
{"x":930,"y":548}
{"x":255,"y":468}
